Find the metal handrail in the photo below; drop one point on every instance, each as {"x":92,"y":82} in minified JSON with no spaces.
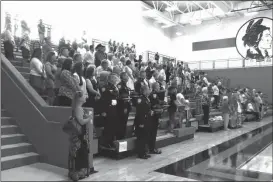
{"x":241,"y":63}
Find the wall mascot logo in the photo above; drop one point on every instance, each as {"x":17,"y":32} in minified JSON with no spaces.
{"x":254,"y":39}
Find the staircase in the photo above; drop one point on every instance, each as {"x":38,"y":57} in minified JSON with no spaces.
{"x":16,"y":151}
{"x":20,"y":64}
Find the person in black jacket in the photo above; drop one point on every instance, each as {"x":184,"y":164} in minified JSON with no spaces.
{"x":109,"y":97}
{"x":149,"y":70}
{"x":142,"y":122}
{"x":157,"y":110}
{"x":124,"y":105}
{"x":141,"y":81}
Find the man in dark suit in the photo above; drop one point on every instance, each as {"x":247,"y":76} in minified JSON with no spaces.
{"x":124,"y":105}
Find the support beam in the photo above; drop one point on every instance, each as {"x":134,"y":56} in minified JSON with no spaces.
{"x":221,"y":6}
{"x":196,"y":3}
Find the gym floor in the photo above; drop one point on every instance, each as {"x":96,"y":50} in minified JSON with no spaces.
{"x":223,"y":155}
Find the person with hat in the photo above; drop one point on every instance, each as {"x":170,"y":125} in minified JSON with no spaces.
{"x":100,"y":54}
{"x":109,"y":97}
{"x":124,"y":105}
{"x":142,"y":121}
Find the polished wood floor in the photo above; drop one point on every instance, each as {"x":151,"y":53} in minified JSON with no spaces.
{"x":132,"y":169}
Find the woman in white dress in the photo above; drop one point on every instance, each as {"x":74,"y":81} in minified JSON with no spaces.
{"x":129,"y":71}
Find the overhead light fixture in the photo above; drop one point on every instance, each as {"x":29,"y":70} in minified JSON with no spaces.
{"x":178,"y":33}
{"x":195,"y":22}
{"x":253,"y":13}
{"x":172,"y":8}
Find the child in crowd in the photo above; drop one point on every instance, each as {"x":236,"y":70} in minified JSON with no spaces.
{"x":225,"y":111}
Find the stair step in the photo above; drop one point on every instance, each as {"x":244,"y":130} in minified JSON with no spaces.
{"x":9,"y":129}
{"x":25,"y":75}
{"x":4,"y":113}
{"x":19,"y":160}
{"x":15,"y":149}
{"x":13,"y":139}
{"x":7,"y":120}
{"x":22,"y":69}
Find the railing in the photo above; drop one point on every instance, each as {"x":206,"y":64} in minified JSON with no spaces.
{"x":228,"y":63}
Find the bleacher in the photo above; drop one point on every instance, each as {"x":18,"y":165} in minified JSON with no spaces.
{"x":123,"y":147}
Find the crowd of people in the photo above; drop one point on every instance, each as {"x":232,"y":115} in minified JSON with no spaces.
{"x":82,"y":75}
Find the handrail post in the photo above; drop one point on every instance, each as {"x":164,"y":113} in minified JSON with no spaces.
{"x":199,"y":65}
{"x":244,"y":63}
{"x":213,"y":64}
{"x":228,"y":63}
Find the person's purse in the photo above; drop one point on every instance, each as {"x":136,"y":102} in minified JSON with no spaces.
{"x":72,"y":126}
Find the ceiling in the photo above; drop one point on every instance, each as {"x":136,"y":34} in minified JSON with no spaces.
{"x":171,"y":14}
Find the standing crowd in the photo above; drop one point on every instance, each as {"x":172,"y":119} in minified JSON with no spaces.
{"x":113,"y":83}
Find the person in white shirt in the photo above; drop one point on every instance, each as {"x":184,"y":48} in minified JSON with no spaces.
{"x":110,"y":60}
{"x":216,"y":95}
{"x":81,"y":50}
{"x":37,"y":73}
{"x":103,"y":67}
{"x":8,"y":43}
{"x":88,"y":56}
{"x":154,"y":77}
{"x":162,"y":71}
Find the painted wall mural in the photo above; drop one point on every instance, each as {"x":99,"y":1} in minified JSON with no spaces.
{"x":254,"y":41}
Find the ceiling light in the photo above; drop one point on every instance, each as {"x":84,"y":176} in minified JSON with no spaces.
{"x":178,"y":33}
{"x":172,"y":8}
{"x":253,"y":13}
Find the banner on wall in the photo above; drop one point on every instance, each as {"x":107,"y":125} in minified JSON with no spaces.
{"x":254,"y":41}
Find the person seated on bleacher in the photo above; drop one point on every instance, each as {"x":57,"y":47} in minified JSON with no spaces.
{"x":251,"y":114}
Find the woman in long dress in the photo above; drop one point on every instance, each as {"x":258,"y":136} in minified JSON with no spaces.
{"x":129,"y":72}
{"x":79,"y":148}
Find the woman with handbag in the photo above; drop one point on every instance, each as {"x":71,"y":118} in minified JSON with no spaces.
{"x":79,"y":149}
